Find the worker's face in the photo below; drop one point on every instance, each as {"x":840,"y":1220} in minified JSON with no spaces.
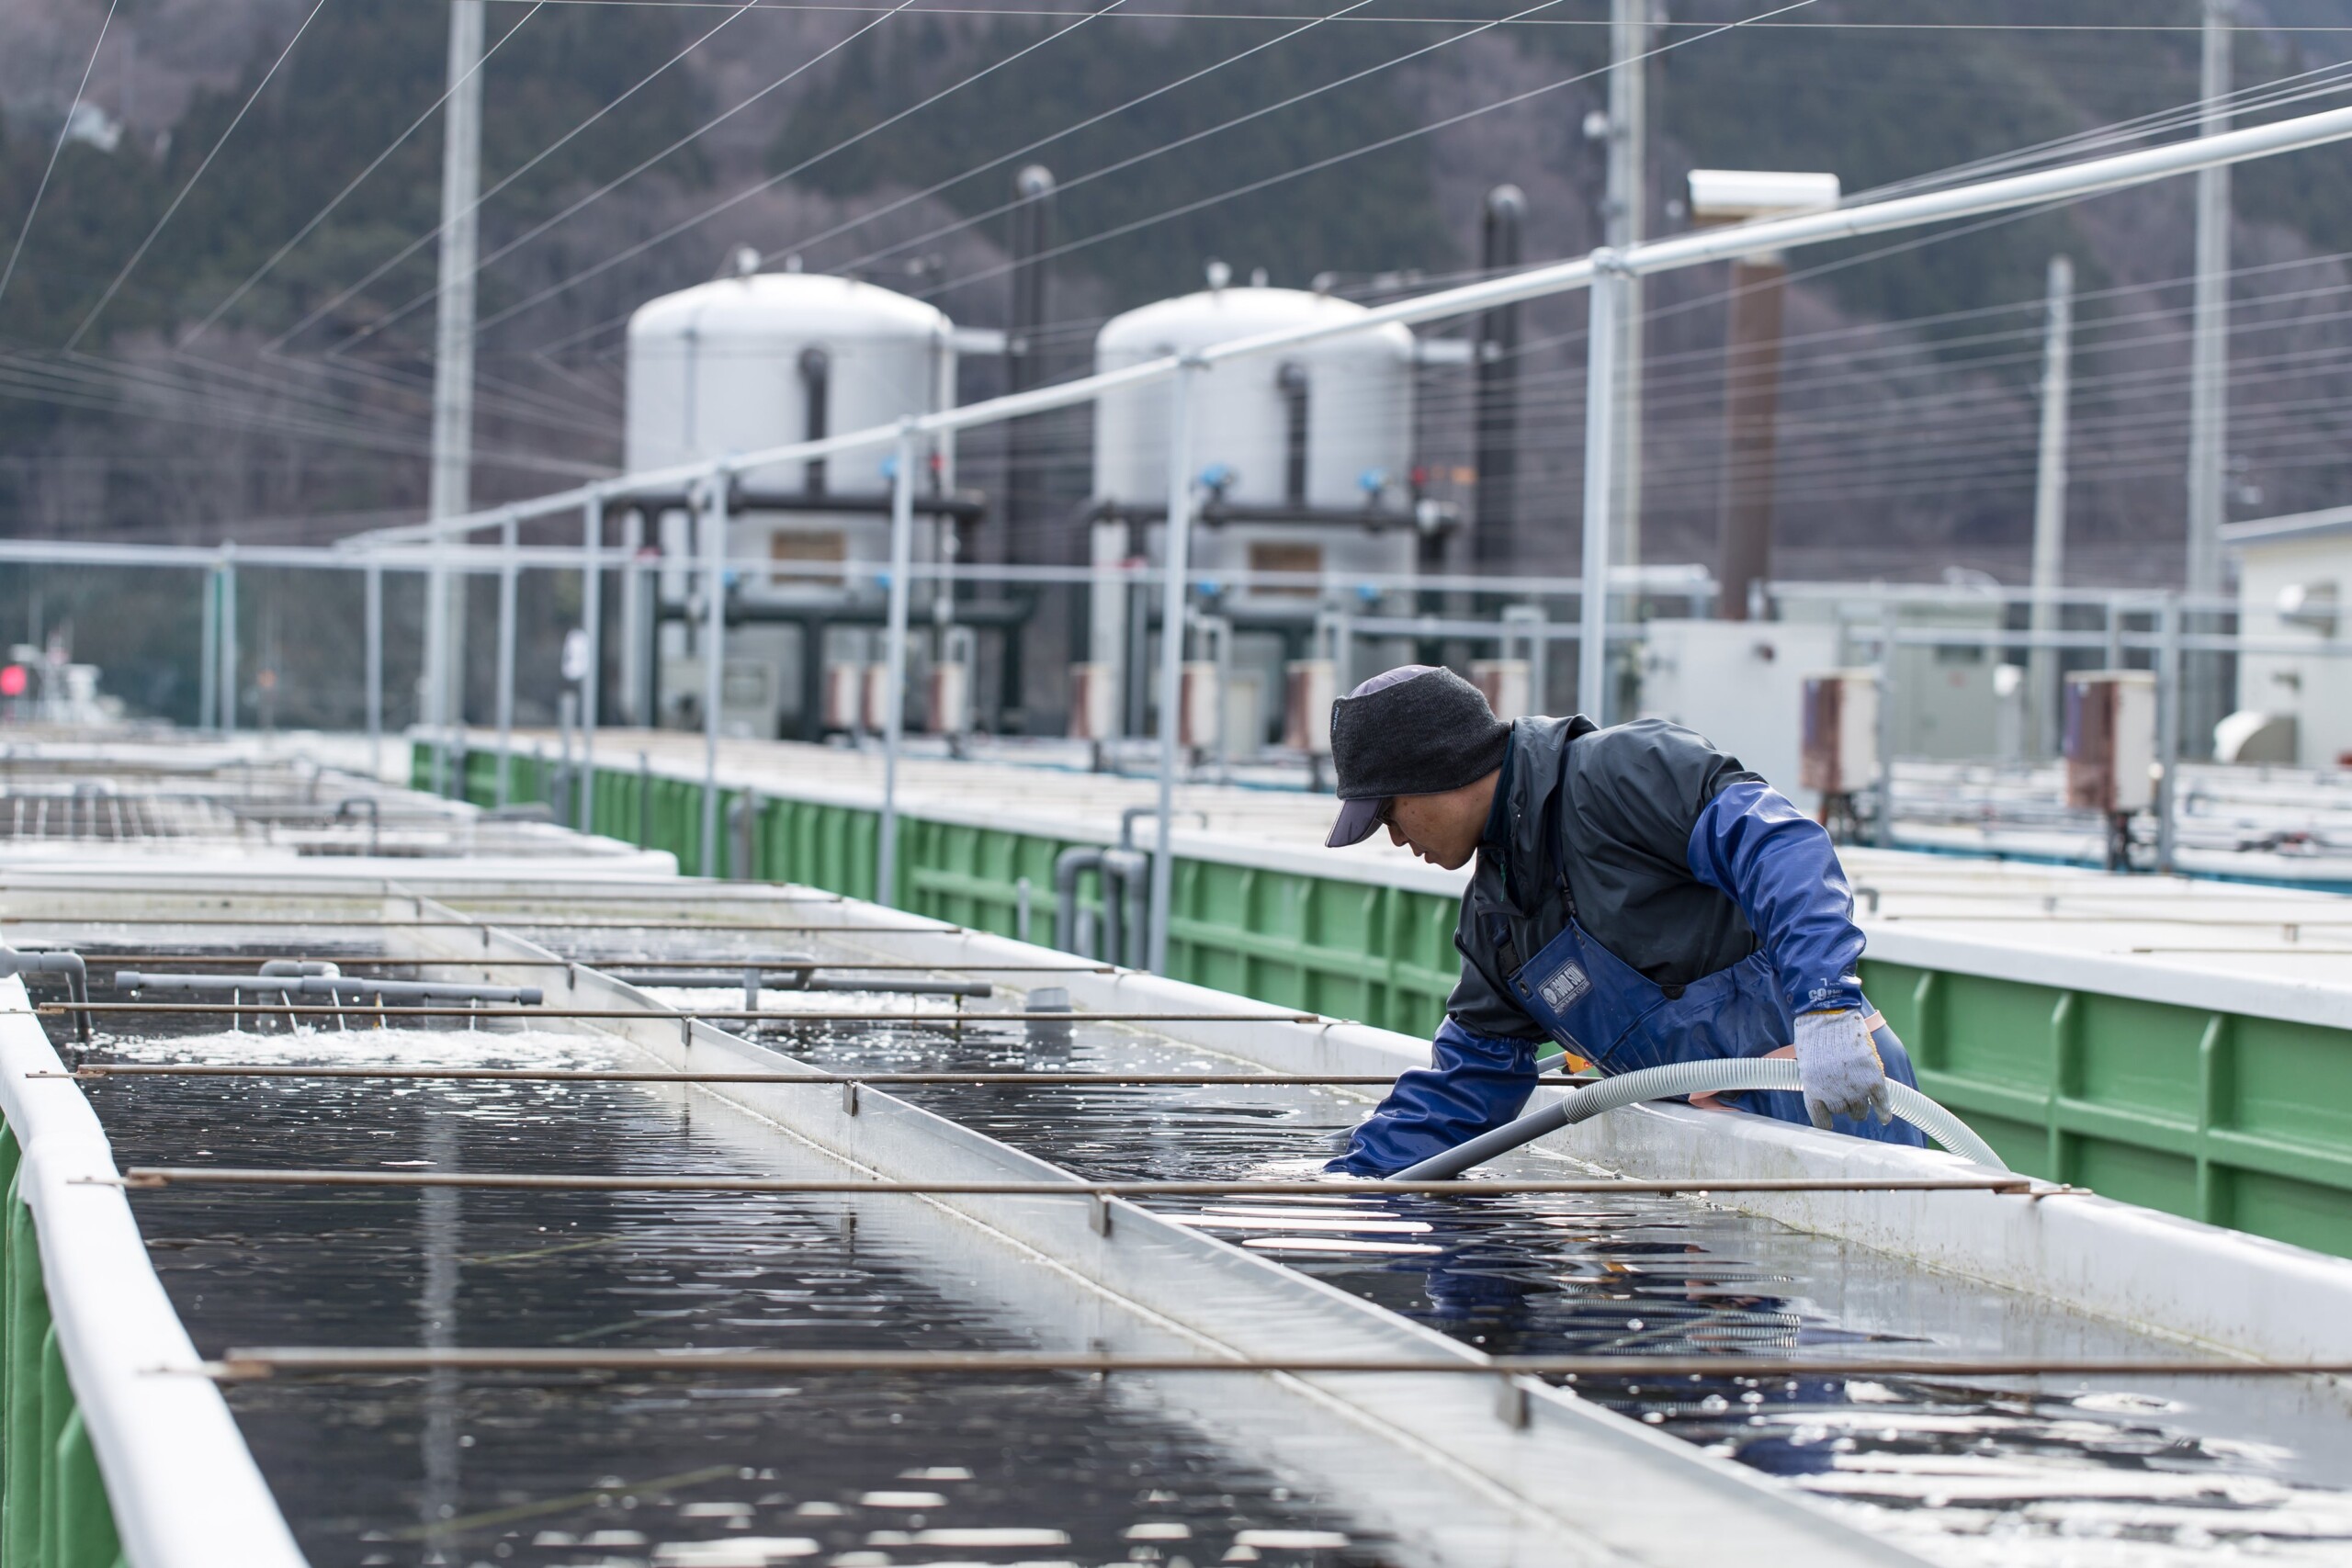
{"x":1440,"y":828}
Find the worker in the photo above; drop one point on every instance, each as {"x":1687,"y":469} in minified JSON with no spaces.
{"x":1640,"y":898}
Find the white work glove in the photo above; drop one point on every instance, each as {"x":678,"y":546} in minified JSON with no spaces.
{"x":1839,"y":1064}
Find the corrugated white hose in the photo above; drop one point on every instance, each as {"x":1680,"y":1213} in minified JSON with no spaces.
{"x":1715,"y":1076}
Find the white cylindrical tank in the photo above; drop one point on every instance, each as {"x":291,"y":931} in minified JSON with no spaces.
{"x":734,"y":365}
{"x":760,"y":360}
{"x":1358,"y":392}
{"x":1324,"y":431}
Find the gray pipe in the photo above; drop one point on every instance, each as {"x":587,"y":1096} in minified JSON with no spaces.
{"x":1131,"y":935}
{"x":70,"y":965}
{"x":335,"y":988}
{"x":1068,"y":866}
{"x":1113,"y":945}
{"x":299,"y":966}
{"x":346,"y":809}
{"x":1715,"y":1076}
{"x":750,"y":977}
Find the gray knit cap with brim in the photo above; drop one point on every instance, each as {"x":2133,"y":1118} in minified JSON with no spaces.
{"x":1416,"y":729}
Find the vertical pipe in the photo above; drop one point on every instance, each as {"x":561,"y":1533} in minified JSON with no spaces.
{"x":433,"y":689}
{"x":1604,"y":313}
{"x":2168,"y":725}
{"x":1175,"y":564}
{"x":2209,"y":407}
{"x":374,"y":616}
{"x":509,"y":576}
{"x":1496,"y":406}
{"x":591,"y":625}
{"x":450,"y":485}
{"x":1752,"y":407}
{"x":1627,"y":224}
{"x":894,"y":658}
{"x":1885,"y":827}
{"x":207,"y":674}
{"x":1025,"y":350}
{"x":714,"y":509}
{"x":567,"y":718}
{"x":2050,"y":506}
{"x":228,"y":639}
{"x":633,"y":584}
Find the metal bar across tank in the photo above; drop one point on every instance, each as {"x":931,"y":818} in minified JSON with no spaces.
{"x":1334,"y":1191}
{"x":732,"y":1015}
{"x":308,"y":1360}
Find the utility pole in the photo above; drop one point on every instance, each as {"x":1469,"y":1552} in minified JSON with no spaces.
{"x":2209,"y":369}
{"x":1495,"y":437}
{"x":451,"y":492}
{"x":2050,"y":503}
{"x":1625,"y":214}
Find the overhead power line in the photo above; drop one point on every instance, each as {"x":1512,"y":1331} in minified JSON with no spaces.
{"x":140,"y":255}
{"x":56,"y":148}
{"x":1380,"y":144}
{"x":773,"y":180}
{"x":740,"y":7}
{"x":356,"y":181}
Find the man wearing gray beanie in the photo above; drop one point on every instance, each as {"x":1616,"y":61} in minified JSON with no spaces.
{"x":1640,"y":898}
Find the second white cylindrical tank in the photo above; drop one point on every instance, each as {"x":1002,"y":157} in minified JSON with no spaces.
{"x":1358,"y":391}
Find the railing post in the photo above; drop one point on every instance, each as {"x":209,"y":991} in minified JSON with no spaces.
{"x":374,"y":616}
{"x":1599,"y":457}
{"x":713,"y":510}
{"x":591,"y":624}
{"x":894,"y":660}
{"x":1175,"y":564}
{"x":508,"y":576}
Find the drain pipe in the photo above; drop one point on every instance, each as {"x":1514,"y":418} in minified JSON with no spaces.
{"x":743,"y":820}
{"x":70,"y":965}
{"x":1068,"y":866}
{"x":346,"y":810}
{"x":1138,"y":914}
{"x":1720,"y":1077}
{"x":1129,"y":940}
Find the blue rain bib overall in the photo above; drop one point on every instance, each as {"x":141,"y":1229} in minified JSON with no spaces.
{"x":1600,"y":1008}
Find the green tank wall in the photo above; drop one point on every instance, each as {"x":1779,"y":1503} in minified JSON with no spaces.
{"x":53,"y":1506}
{"x":2239,"y":1121}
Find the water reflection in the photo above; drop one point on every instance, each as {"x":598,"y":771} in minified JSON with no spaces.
{"x":846,"y":1470}
{"x":1967,"y":1473}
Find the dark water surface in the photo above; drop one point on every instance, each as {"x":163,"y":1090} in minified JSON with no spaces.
{"x":2096,"y":1474}
{"x":2091,"y":1473}
{"x":843,"y":1469}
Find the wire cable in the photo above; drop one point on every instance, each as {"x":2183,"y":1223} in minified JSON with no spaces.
{"x":537,"y":158}
{"x":1064,"y":188}
{"x":57,"y":149}
{"x":776,"y":179}
{"x":1087,"y":124}
{"x":140,"y":255}
{"x":356,"y":180}
{"x":1381,"y":144}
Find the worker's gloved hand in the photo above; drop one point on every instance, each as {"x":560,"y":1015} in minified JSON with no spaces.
{"x":1839,"y":1064}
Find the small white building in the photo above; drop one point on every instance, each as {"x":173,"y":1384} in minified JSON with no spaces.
{"x":2293,"y":577}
